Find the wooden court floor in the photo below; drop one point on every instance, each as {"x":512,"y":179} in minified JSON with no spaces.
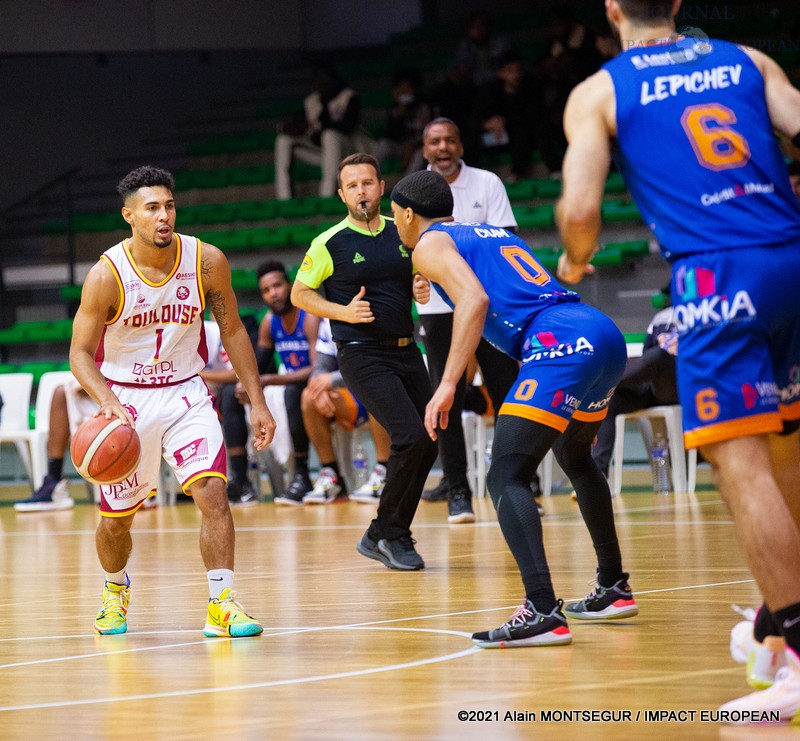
{"x":352,"y":650}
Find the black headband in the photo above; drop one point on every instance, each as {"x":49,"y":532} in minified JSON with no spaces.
{"x":426,"y":192}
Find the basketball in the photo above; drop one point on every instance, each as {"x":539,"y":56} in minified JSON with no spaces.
{"x":105,"y":451}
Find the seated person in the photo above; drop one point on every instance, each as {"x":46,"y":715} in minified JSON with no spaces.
{"x":648,"y":381}
{"x":321,"y":134}
{"x":292,"y":334}
{"x":406,"y":120}
{"x":221,"y":378}
{"x":326,"y":400}
{"x":507,"y":111}
{"x":69,"y":408}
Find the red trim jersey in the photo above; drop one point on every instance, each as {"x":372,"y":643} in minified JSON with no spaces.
{"x":157,"y":336}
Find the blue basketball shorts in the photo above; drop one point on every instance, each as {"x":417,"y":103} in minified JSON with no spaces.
{"x":738,"y":318}
{"x":573,"y":359}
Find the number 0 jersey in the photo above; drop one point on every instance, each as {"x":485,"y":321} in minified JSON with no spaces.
{"x":518,"y":286}
{"x":157,"y":336}
{"x":696,"y":148}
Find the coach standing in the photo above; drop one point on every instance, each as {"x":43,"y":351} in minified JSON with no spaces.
{"x":367,"y":276}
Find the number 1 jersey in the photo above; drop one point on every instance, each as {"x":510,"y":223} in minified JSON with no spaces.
{"x":157,"y":336}
{"x":696,"y":148}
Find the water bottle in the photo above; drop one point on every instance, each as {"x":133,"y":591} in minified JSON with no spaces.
{"x":659,"y":461}
{"x":360,"y":465}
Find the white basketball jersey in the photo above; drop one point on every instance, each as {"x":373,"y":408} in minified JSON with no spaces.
{"x":157,"y":337}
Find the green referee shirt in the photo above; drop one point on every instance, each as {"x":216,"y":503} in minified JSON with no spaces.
{"x":346,"y":257}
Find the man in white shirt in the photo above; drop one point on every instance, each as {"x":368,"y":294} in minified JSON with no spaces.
{"x":479,"y":196}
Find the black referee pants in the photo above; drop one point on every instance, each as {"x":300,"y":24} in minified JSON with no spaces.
{"x":393,"y":385}
{"x":499,"y":372}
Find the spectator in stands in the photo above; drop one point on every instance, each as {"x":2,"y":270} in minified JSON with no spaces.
{"x":480,"y":50}
{"x":326,"y":399}
{"x":508,"y":108}
{"x":321,"y":134}
{"x":453,"y":98}
{"x":571,"y":56}
{"x":69,"y":407}
{"x":794,"y":176}
{"x":292,"y":333}
{"x":648,"y":381}
{"x":406,"y":119}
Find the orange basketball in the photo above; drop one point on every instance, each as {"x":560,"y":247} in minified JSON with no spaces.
{"x":105,"y":451}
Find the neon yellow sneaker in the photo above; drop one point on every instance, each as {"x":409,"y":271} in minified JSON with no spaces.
{"x":226,"y":617}
{"x":111,"y":619}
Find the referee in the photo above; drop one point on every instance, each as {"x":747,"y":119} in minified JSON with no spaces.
{"x":367,"y":276}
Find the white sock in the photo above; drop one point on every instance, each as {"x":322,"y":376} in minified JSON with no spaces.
{"x":219,"y":579}
{"x":118,"y":577}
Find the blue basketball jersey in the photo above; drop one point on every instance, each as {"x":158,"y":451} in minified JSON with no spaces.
{"x":696,"y":148}
{"x":519,"y":287}
{"x":291,"y":346}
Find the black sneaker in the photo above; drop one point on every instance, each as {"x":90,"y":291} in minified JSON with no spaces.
{"x":241,"y":495}
{"x":459,"y":506}
{"x":394,"y":554}
{"x":300,"y":486}
{"x":438,"y":494}
{"x":528,"y":628}
{"x":606,"y":603}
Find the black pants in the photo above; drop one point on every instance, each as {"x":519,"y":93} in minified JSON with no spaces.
{"x":294,"y":414}
{"x":234,"y":422}
{"x":393,"y":385}
{"x":499,"y":372}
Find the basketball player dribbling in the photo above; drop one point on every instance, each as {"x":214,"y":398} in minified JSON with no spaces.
{"x":138,"y":344}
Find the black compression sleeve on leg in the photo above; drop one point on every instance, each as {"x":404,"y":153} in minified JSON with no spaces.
{"x":519,"y":446}
{"x":573,"y":451}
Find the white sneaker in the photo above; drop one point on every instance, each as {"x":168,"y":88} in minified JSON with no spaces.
{"x":51,"y":495}
{"x":763,"y":659}
{"x":778,"y":704}
{"x":325,"y":490}
{"x":370,"y":492}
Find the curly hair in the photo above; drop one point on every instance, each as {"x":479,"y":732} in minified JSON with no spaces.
{"x":144,"y":177}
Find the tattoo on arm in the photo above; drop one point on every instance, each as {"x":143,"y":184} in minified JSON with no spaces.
{"x":216,"y":302}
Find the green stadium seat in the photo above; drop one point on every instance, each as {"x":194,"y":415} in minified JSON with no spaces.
{"x":522,"y":190}
{"x":623,"y":210}
{"x":8,"y":368}
{"x":608,"y":256}
{"x":535,"y":217}
{"x":547,"y":257}
{"x":70,"y":293}
{"x":303,"y":234}
{"x":299,"y":208}
{"x":211,"y":179}
{"x":244,"y":280}
{"x":547,"y":188}
{"x":615,"y":183}
{"x":332,"y":206}
{"x":269,"y":238}
{"x":212,"y":145}
{"x":256,"y":210}
{"x":260,"y":175}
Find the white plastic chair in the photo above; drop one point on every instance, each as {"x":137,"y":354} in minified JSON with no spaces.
{"x":673,"y":416}
{"x":48,"y":383}
{"x":15,"y":388}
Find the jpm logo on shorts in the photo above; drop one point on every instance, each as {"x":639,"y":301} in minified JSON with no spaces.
{"x":195,"y":449}
{"x":125,"y":489}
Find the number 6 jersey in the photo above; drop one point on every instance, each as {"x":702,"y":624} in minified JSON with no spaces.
{"x":157,"y":336}
{"x":700,"y":103}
